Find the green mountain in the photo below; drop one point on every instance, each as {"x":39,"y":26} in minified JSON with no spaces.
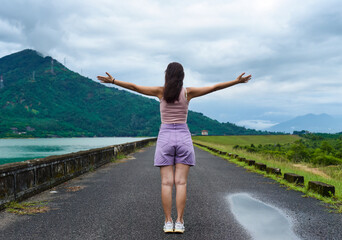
{"x":38,"y":100}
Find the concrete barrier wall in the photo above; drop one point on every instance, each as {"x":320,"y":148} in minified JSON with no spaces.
{"x":21,"y":180}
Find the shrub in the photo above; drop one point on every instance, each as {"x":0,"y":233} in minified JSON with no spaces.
{"x":298,"y":152}
{"x":324,"y":159}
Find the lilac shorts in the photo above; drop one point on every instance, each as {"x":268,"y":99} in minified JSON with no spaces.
{"x":174,"y":145}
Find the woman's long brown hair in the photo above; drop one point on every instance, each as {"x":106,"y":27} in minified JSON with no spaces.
{"x":174,"y":75}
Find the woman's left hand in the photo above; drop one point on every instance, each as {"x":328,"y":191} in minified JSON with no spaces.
{"x":108,"y":79}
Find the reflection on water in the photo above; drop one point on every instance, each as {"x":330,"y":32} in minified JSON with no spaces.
{"x":261,"y":220}
{"x":15,"y":150}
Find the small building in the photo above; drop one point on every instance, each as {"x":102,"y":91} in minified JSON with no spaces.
{"x":29,"y":129}
{"x":204,"y":132}
{"x":14,"y":130}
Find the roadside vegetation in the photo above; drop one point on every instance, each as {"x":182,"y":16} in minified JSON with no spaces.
{"x":27,"y":208}
{"x":321,"y":150}
{"x":317,"y":157}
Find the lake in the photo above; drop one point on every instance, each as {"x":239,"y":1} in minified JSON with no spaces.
{"x":17,"y":150}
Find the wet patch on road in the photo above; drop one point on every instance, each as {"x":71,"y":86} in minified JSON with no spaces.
{"x":261,"y":220}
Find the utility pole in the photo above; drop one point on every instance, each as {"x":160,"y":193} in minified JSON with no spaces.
{"x":52,"y":66}
{"x":33,"y":76}
{"x":1,"y":82}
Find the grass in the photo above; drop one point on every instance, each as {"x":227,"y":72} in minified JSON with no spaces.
{"x":120,"y":155}
{"x":149,"y":144}
{"x":226,"y":143}
{"x":27,"y":208}
{"x":247,"y":139}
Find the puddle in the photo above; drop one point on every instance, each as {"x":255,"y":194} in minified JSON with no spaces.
{"x":261,"y":220}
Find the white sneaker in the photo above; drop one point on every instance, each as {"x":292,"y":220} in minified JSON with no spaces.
{"x":179,"y":227}
{"x":168,"y":227}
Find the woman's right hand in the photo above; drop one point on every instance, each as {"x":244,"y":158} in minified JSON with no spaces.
{"x":108,"y":79}
{"x":241,"y":79}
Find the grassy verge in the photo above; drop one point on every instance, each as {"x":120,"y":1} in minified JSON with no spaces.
{"x":118,"y":157}
{"x":121,"y":156}
{"x":285,"y":166}
{"x":247,"y":139}
{"x":150,"y":144}
{"x":27,"y":208}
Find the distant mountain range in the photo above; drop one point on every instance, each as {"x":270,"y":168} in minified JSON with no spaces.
{"x":39,"y":97}
{"x":322,"y":123}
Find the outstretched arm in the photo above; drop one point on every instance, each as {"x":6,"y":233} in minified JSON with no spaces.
{"x":200,"y":91}
{"x":150,"y":91}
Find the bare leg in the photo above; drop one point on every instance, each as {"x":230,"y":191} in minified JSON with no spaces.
{"x":181,"y":177}
{"x":167,"y":181}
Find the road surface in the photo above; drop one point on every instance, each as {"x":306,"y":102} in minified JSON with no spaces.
{"x":122,"y":201}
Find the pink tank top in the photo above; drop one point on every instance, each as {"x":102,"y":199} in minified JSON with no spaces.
{"x":176,"y":112}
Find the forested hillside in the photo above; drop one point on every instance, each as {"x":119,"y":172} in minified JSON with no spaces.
{"x":38,"y":100}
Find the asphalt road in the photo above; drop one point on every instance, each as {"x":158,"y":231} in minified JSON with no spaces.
{"x":122,"y":201}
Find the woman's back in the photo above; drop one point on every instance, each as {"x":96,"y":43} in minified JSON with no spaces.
{"x":174,"y":153}
{"x":176,"y":112}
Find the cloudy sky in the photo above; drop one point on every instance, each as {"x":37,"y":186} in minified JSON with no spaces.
{"x":293,"y":49}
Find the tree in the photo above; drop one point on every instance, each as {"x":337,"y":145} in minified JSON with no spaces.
{"x":298,"y":152}
{"x":326,"y":147}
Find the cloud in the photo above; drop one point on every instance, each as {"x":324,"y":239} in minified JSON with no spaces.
{"x":256,"y":124}
{"x":291,"y":48}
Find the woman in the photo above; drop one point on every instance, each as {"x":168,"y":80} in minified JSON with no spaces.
{"x":174,"y":150}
